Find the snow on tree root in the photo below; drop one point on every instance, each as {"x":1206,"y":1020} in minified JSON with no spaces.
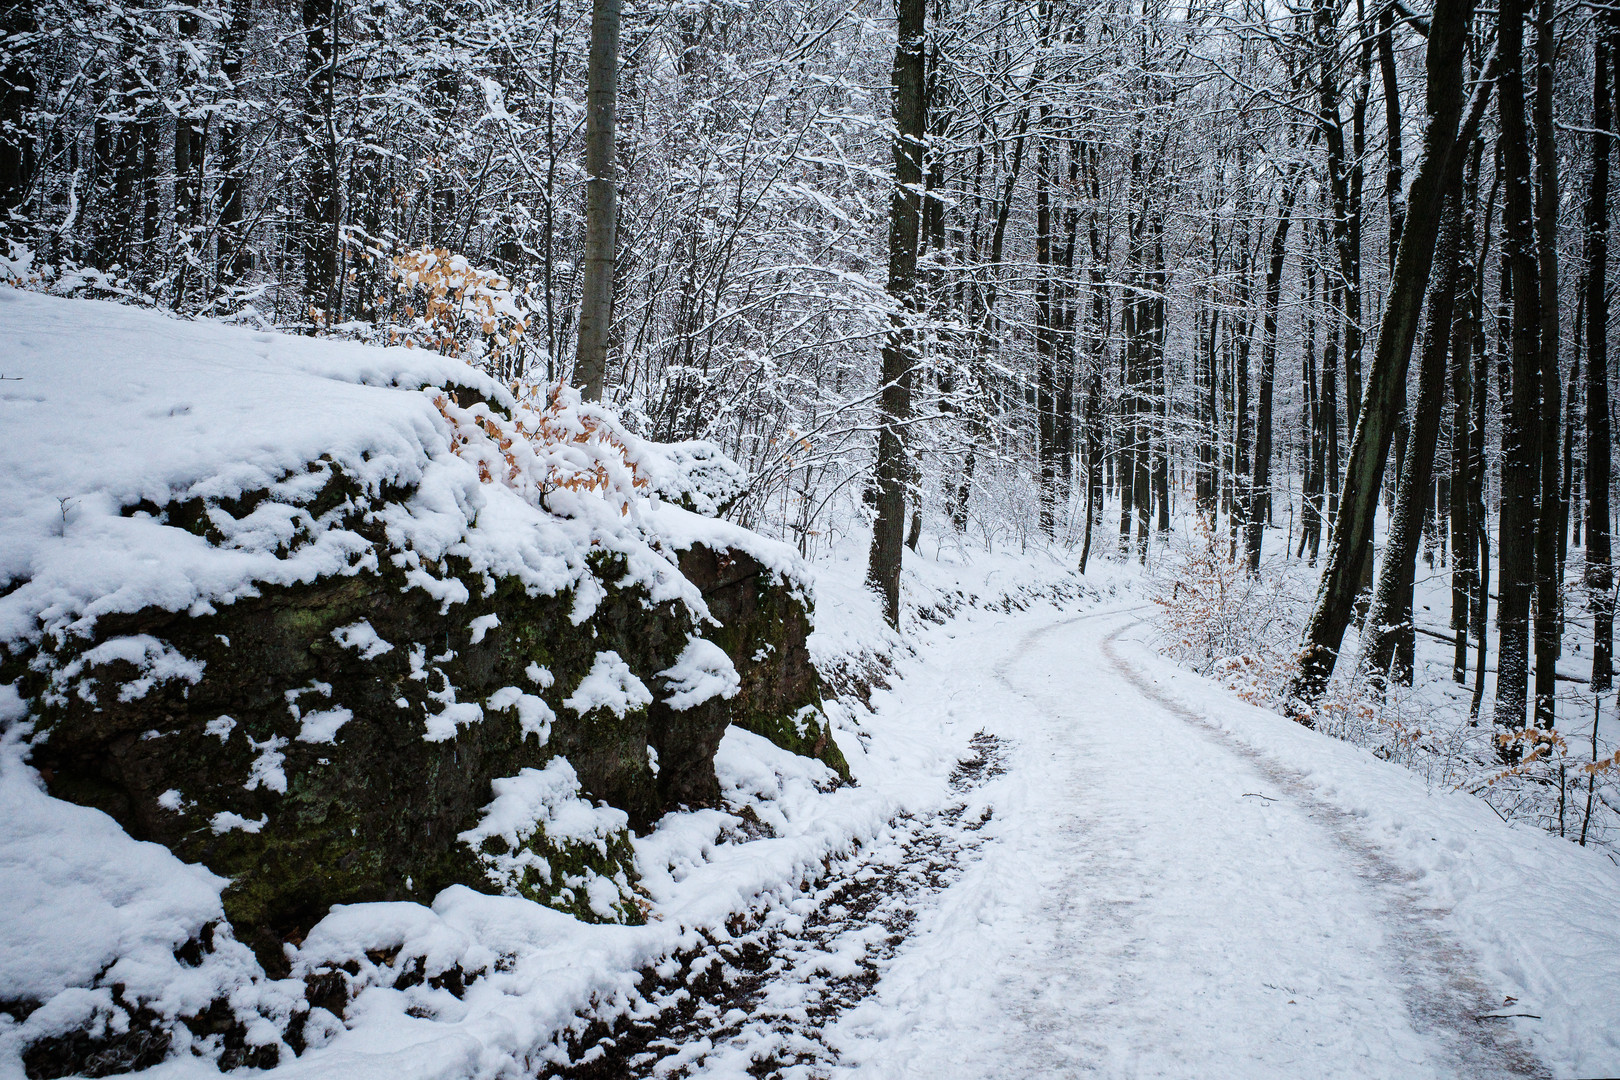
{"x":757,"y":993}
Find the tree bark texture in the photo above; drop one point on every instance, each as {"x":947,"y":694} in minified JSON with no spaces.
{"x":1521,"y":415}
{"x":1389,"y":632}
{"x":1550,"y":521}
{"x":17,"y":89}
{"x":601,"y":202}
{"x":1599,"y":572}
{"x":1260,"y":492}
{"x":899,"y":346}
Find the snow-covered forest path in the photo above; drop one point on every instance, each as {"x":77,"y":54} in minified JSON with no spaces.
{"x":1134,"y":875}
{"x":1155,"y":898}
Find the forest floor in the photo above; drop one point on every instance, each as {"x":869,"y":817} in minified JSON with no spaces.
{"x":1136,"y":874}
{"x":1063,"y":855}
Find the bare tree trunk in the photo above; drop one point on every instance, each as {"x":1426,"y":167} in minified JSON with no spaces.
{"x":1599,"y":572}
{"x":232,"y":255}
{"x":1479,"y":607}
{"x":318,"y":242}
{"x":1572,"y":471}
{"x":1352,"y":534}
{"x":1389,"y":630}
{"x":899,"y":348}
{"x":1311,"y":444}
{"x":1096,"y":354}
{"x":1549,"y":530}
{"x":1395,"y":178}
{"x":189,"y":146}
{"x":1094,"y":456}
{"x":1161,"y":385}
{"x":1046,"y":448}
{"x":17,"y":89}
{"x":601,"y":202}
{"x":1260,"y":507}
{"x":1330,"y":398}
{"x":1521,"y":419}
{"x":1242,"y":431}
{"x":1205,"y":482}
{"x":1465,"y":448}
{"x":149,"y":259}
{"x":1345,"y":172}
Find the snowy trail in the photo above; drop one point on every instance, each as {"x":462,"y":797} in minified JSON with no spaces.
{"x":1155,"y":898}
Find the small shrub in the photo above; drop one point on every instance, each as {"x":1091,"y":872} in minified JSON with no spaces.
{"x":1219,"y":620}
{"x":458,"y":309}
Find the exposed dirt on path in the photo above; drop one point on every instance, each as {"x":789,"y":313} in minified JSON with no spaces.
{"x":757,"y":997}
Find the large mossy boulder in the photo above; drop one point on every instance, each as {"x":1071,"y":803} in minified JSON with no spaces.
{"x":378,"y":736}
{"x":332,"y":743}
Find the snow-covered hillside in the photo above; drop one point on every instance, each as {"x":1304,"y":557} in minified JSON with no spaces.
{"x":112,"y":413}
{"x":1059,"y":856}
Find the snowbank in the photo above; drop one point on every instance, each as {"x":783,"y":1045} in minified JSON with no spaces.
{"x":115,"y":415}
{"x":314,"y":595}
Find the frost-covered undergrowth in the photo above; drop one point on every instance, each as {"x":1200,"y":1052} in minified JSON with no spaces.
{"x":1214,"y":618}
{"x":119,"y":941}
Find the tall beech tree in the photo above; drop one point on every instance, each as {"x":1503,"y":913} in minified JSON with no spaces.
{"x":1259,"y":510}
{"x":900,"y":346}
{"x":1599,"y":571}
{"x":1386,"y":381}
{"x":601,"y":201}
{"x":17,"y":87}
{"x":1467,"y":461}
{"x":1521,"y":415}
{"x":1389,"y":622}
{"x":321,"y":199}
{"x":1549,"y":582}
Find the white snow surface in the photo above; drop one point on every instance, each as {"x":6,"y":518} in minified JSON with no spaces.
{"x":155,"y":661}
{"x":84,"y":907}
{"x":680,"y":529}
{"x":363,"y":639}
{"x":609,"y":685}
{"x":323,"y":725}
{"x":540,"y":809}
{"x":1175,"y":884}
{"x":87,"y":893}
{"x":110,"y":411}
{"x":547,"y":798}
{"x":702,"y":672}
{"x":534,"y":715}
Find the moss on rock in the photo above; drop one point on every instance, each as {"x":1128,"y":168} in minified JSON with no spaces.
{"x":330,"y":742}
{"x":765,"y":623}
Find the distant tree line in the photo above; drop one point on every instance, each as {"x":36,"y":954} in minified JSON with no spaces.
{"x":1060,"y":271}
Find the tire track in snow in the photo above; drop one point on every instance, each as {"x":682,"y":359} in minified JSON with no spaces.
{"x":1444,"y":995}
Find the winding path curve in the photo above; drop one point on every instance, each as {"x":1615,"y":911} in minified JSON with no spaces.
{"x":1155,"y":898}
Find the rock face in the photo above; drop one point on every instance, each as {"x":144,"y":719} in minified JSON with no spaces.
{"x":340,"y":625}
{"x":764,"y":626}
{"x":344,"y":741}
